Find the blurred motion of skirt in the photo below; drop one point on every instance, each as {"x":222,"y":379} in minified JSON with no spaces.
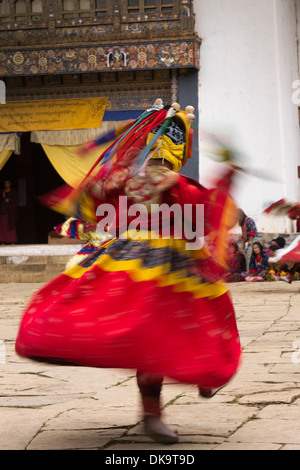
{"x":136,"y":304}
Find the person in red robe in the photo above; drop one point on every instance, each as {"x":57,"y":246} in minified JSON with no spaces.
{"x":144,"y":300}
{"x":8,"y":214}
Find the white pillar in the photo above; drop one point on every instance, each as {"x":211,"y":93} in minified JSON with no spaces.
{"x":248,"y":61}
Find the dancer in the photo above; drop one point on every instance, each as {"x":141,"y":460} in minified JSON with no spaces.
{"x":144,"y":300}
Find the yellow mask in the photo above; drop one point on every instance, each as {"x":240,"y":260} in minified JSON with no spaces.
{"x":176,"y":143}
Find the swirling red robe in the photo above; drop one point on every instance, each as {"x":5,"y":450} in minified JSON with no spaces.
{"x":141,"y":301}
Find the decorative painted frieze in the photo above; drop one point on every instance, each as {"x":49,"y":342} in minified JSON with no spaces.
{"x":154,"y":55}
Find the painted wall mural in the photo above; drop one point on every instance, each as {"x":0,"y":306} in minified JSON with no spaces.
{"x":173,"y":54}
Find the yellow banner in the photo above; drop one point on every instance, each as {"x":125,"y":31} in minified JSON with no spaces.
{"x":48,"y":115}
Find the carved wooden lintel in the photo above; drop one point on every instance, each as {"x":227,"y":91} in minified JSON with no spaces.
{"x":119,"y":38}
{"x":118,"y":56}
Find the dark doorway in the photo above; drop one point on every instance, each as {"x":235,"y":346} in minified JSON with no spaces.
{"x":32,"y":175}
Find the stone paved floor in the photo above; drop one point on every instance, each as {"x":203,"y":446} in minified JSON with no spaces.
{"x":57,"y":408}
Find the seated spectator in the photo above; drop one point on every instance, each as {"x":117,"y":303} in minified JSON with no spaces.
{"x":288,"y":270}
{"x":258,"y":266}
{"x":274,"y":271}
{"x":279,"y":242}
{"x":236,"y":263}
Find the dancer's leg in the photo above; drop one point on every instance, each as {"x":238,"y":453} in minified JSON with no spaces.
{"x":150,"y":388}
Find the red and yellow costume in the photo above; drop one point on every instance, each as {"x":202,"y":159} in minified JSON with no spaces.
{"x":141,"y":301}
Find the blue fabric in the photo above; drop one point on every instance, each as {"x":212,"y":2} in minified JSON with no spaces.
{"x":251,"y":227}
{"x":121,"y":115}
{"x":18,"y":133}
{"x":73,"y":230}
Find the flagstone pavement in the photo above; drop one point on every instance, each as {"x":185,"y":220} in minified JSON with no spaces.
{"x":50,"y":407}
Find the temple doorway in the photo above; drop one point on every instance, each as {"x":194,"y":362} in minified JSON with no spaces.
{"x":32,"y":175}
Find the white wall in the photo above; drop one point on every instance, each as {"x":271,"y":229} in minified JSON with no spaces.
{"x":248,"y":60}
{"x":297,"y":2}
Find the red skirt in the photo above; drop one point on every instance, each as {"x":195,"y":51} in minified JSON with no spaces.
{"x":121,"y":311}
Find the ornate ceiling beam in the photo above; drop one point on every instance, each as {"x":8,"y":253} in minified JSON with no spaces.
{"x":117,"y":57}
{"x":116,"y":41}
